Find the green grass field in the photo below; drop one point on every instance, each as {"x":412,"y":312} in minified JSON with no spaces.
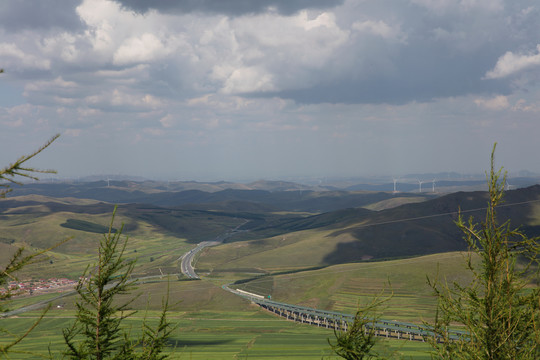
{"x":277,"y":253}
{"x":251,"y":334}
{"x":212,"y":323}
{"x":157,"y":238}
{"x":343,"y":287}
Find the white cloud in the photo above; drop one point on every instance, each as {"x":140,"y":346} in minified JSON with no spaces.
{"x":248,"y":79}
{"x":382,"y":29}
{"x":58,"y":83}
{"x":499,"y":102}
{"x":63,"y":45}
{"x":272,"y":52}
{"x":511,"y":63}
{"x":118,"y":35}
{"x":85,"y":112}
{"x":15,"y":58}
{"x":248,"y":54}
{"x":143,"y":49}
{"x":64,"y":100}
{"x":73,"y":132}
{"x":325,"y":19}
{"x":123,"y":99}
{"x":154,"y":131}
{"x":100,"y":16}
{"x":181,"y":77}
{"x":14,"y":123}
{"x":523,"y":105}
{"x":167,"y":121}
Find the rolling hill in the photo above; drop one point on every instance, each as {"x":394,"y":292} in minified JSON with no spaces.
{"x":281,"y":196}
{"x":352,"y":235}
{"x":284,"y":229}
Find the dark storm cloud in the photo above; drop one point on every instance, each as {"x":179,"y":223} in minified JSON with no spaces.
{"x":380,"y":90}
{"x":445,"y":54}
{"x":16,"y":15}
{"x":420,"y":74}
{"x":231,"y":7}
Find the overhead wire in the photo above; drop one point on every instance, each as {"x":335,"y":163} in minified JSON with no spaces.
{"x":394,"y":262}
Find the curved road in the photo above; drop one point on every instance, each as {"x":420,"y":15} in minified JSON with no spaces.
{"x":186,"y":266}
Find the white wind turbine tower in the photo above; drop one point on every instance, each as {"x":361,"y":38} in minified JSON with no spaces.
{"x":508,"y":186}
{"x":395,"y":182}
{"x":108,"y":182}
{"x":433,"y":185}
{"x":420,"y":182}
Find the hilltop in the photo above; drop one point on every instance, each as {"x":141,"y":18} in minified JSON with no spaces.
{"x":326,"y":227}
{"x":352,"y":235}
{"x":269,"y":196}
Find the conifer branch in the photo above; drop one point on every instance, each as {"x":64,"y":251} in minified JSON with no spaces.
{"x":11,"y":172}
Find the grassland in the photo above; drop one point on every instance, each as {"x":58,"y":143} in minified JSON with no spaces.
{"x":343,"y":287}
{"x":214,"y":324}
{"x":277,"y":253}
{"x":249,"y":334}
{"x":204,"y":335}
{"x":157,"y":237}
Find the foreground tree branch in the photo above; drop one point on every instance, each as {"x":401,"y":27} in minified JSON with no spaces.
{"x":20,"y":258}
{"x":17,"y":169}
{"x":499,"y":309}
{"x":97,"y":332}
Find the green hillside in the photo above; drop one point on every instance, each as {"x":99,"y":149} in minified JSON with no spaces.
{"x":157,"y":236}
{"x":343,"y":287}
{"x":327,"y":261}
{"x":273,"y":241}
{"x":353,"y":235}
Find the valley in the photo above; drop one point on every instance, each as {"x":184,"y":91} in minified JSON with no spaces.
{"x":329,"y":250}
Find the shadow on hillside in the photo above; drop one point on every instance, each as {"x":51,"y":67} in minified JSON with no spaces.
{"x":397,"y":240}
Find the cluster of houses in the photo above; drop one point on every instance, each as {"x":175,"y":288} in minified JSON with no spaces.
{"x":41,"y":285}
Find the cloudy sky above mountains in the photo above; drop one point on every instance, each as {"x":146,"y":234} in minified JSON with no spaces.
{"x":213,"y":89}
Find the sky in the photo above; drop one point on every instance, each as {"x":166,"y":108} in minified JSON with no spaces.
{"x":270,"y":89}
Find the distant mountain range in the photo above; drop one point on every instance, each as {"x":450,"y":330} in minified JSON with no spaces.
{"x":441,"y":182}
{"x":405,"y":224}
{"x":282,"y":196}
{"x":410,"y":229}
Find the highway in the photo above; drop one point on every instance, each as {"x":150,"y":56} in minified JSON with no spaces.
{"x":186,"y":265}
{"x":186,"y":268}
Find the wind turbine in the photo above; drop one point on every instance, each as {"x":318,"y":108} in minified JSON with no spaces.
{"x":395,"y":182}
{"x":433,"y":184}
{"x":508,"y":186}
{"x":108,"y":182}
{"x":420,"y":182}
